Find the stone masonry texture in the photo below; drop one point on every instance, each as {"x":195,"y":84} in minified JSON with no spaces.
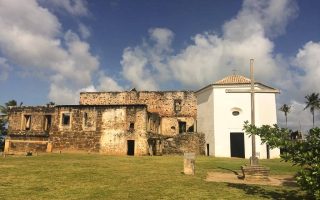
{"x":114,"y":123}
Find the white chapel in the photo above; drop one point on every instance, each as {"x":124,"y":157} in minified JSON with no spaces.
{"x":221,"y":116}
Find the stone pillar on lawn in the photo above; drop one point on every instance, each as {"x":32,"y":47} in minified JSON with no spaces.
{"x":6,"y":146}
{"x":49,"y":147}
{"x":189,"y":163}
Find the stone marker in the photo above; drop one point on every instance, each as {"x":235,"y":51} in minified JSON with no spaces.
{"x":6,"y":146}
{"x":189,"y":162}
{"x":49,"y":147}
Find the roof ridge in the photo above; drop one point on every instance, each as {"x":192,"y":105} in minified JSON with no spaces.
{"x":234,"y":79}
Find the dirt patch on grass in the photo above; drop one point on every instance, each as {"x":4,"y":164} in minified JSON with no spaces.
{"x":275,"y":180}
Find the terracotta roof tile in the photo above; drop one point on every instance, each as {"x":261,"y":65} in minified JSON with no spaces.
{"x":234,"y":79}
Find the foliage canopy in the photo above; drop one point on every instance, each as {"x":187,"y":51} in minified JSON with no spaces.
{"x":304,"y":153}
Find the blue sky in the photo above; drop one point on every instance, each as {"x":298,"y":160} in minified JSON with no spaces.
{"x":52,"y":50}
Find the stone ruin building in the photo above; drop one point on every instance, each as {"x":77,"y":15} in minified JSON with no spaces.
{"x":114,"y":123}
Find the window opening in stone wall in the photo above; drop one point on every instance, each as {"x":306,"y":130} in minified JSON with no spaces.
{"x":66,"y":119}
{"x":47,"y":122}
{"x":182,"y":127}
{"x":191,"y":129}
{"x":85,"y":119}
{"x":27,"y":121}
{"x":131,"y":127}
{"x":177,"y":105}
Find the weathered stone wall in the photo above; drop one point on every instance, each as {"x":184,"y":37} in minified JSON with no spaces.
{"x":36,"y":136}
{"x":116,"y":130}
{"x":27,"y":147}
{"x":172,"y":106}
{"x":17,"y":121}
{"x":100,"y":128}
{"x":170,"y":125}
{"x":157,"y":102}
{"x":109,"y":129}
{"x":182,"y":143}
{"x":24,"y":143}
{"x":153,"y":123}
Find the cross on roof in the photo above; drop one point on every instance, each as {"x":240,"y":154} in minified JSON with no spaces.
{"x":252,"y":91}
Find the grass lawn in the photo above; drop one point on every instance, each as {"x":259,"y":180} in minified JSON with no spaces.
{"x":94,"y":176}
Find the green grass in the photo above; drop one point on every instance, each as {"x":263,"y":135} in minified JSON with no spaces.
{"x":83,"y":176}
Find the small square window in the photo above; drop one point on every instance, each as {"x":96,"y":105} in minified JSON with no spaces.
{"x":177,"y":105}
{"x":66,"y":119}
{"x":131,"y":127}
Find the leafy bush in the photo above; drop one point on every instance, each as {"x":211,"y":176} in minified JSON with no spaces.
{"x":304,"y":153}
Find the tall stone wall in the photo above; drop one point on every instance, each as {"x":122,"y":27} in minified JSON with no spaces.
{"x":172,"y":106}
{"x":27,"y":130}
{"x":104,"y":129}
{"x":36,"y":126}
{"x":157,"y":102}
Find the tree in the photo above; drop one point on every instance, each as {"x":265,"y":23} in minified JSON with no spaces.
{"x":304,"y":153}
{"x":51,"y":103}
{"x":4,"y":115}
{"x":4,"y":109}
{"x":3,"y":129}
{"x":285,"y":109}
{"x":313,"y":102}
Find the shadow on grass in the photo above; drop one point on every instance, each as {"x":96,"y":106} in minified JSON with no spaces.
{"x":276,"y":194}
{"x":233,"y":171}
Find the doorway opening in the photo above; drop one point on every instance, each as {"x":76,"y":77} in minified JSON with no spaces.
{"x":182,"y":127}
{"x":208,"y":153}
{"x":237,"y":145}
{"x":130,"y":145}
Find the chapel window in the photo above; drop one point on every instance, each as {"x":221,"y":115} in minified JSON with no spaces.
{"x":235,"y":113}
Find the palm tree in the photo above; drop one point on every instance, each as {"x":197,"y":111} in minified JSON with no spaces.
{"x":313,"y":102}
{"x":4,"y":109}
{"x":285,"y":109}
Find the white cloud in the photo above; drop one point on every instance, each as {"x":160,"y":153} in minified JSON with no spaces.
{"x":246,"y":36}
{"x":41,"y":46}
{"x":308,"y":60}
{"x":74,"y":7}
{"x":108,"y":84}
{"x":210,"y":57}
{"x":84,"y":31}
{"x":4,"y":69}
{"x":145,"y":65}
{"x":261,"y":17}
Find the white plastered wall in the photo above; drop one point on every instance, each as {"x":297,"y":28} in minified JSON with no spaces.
{"x":225,"y":122}
{"x":205,"y":118}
